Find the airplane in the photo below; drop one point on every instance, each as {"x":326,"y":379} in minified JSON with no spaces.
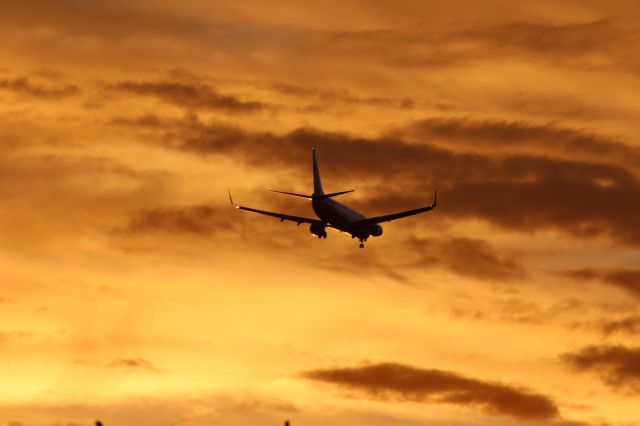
{"x":332,"y":214}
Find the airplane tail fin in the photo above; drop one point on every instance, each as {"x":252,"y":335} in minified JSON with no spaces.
{"x":318,"y":192}
{"x":317,"y":185}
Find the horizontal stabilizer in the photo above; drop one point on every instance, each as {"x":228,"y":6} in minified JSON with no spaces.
{"x":292,"y":193}
{"x":333,"y":194}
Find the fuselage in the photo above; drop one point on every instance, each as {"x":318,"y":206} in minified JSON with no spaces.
{"x":343,"y":218}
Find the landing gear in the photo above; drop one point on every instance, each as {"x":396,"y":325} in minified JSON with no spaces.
{"x":362,"y":237}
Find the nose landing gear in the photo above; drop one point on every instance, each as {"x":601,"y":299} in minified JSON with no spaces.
{"x":362,"y":240}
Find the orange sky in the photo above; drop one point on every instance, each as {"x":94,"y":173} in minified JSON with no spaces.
{"x":133,"y":293}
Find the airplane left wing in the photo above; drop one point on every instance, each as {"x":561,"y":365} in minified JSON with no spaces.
{"x":281,"y":216}
{"x":394,"y":216}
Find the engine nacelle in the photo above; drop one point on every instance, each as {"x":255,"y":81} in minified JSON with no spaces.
{"x":319,"y":230}
{"x":375,"y":230}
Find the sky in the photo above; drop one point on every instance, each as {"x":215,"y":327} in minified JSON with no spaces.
{"x":133,"y":293}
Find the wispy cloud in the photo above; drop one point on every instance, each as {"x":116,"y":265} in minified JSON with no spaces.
{"x":134,"y":364}
{"x":24,"y":86}
{"x":629,"y":325}
{"x":190,"y":95}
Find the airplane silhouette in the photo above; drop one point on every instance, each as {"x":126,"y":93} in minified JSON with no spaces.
{"x":332,"y":214}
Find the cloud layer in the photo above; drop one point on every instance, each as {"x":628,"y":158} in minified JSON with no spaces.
{"x":116,"y":235}
{"x":523,"y":192}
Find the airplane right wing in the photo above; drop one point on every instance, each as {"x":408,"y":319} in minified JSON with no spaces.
{"x":394,"y":216}
{"x":281,"y":216}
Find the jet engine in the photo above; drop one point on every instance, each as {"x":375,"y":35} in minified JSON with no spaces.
{"x":319,"y":230}
{"x":375,"y":230}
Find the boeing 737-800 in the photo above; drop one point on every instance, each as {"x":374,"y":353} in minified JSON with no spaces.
{"x":332,"y":214}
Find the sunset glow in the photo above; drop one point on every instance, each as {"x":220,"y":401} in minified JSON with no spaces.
{"x":134,"y":293}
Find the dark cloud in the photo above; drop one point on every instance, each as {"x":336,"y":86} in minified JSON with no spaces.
{"x":522,"y":137}
{"x":24,"y":86}
{"x":403,"y":382}
{"x":626,"y":279}
{"x":133,"y":363}
{"x":390,"y":154}
{"x":190,"y":95}
{"x":629,"y":325}
{"x":523,"y":192}
{"x":203,"y":220}
{"x":618,"y":366}
{"x":577,"y":205}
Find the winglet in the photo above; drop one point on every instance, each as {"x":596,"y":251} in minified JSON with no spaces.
{"x":435,"y":198}
{"x":231,"y":200}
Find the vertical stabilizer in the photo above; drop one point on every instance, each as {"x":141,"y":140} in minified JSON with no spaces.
{"x":317,"y":185}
